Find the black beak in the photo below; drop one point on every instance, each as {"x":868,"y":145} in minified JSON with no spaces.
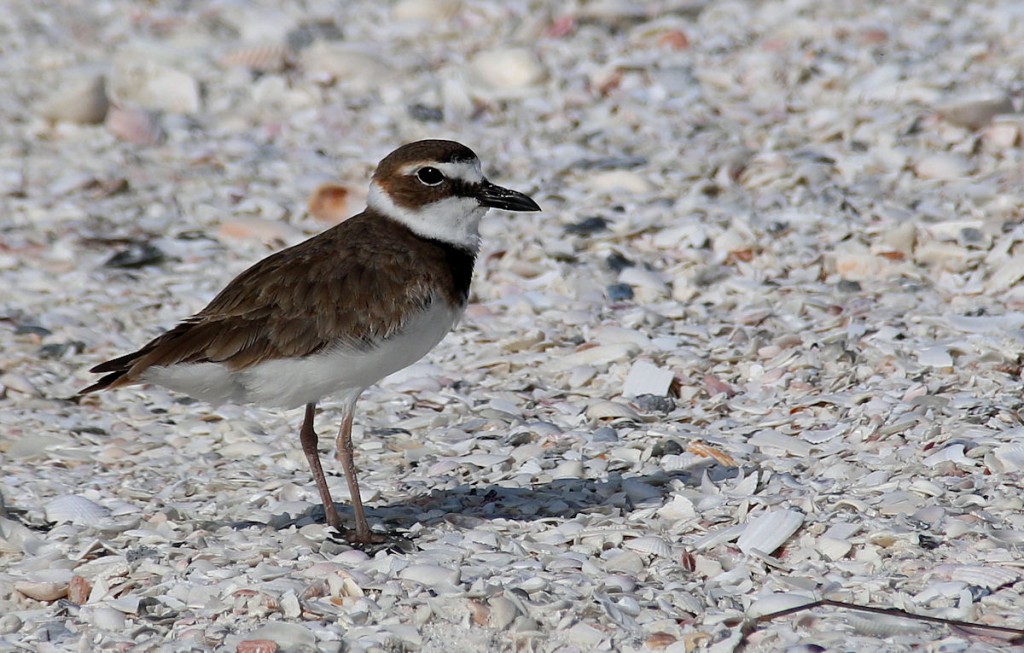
{"x":497,"y":197}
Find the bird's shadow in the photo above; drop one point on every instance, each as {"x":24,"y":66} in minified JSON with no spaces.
{"x":468,"y":504}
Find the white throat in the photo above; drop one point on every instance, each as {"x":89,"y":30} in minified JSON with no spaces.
{"x":454,"y":220}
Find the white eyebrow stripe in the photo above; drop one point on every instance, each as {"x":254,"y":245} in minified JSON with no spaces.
{"x":467,"y":171}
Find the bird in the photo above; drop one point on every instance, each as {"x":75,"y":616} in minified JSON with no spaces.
{"x":336,"y":313}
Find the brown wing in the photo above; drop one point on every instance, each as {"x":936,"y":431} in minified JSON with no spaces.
{"x":355,"y":283}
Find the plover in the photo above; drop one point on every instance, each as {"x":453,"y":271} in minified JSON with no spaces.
{"x":338,"y":312}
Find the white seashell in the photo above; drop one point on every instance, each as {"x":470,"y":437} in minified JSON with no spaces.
{"x":832,"y":548}
{"x":605,"y":409}
{"x":599,"y":355}
{"x":42,"y":590}
{"x":935,"y":357}
{"x":645,"y":378}
{"x":19,"y":383}
{"x":617,"y":181}
{"x":1003,"y":134}
{"x":1006,"y":274}
{"x":943,"y":166}
{"x":245,"y":449}
{"x":649,"y":544}
{"x":271,"y":232}
{"x":83,"y":102}
{"x":356,"y":70}
{"x":75,"y":509}
{"x":533,"y":584}
{"x":288,"y":636}
{"x":568,"y":469}
{"x":619,"y":583}
{"x":770,"y":438}
{"x":945,"y":256}
{"x":770,"y":530}
{"x":427,"y":11}
{"x":951,"y":454}
{"x":990,"y":577}
{"x":104,"y":617}
{"x":503,"y":612}
{"x":581,"y":375}
{"x":585,"y":636}
{"x":258,"y":58}
{"x":976,"y":112}
{"x":1010,"y":457}
{"x":143,"y":82}
{"x":507,"y":72}
{"x":625,"y":562}
{"x":819,"y":437}
{"x":777,"y":602}
{"x":677,"y":509}
{"x":859,"y":265}
{"x":483,"y":460}
{"x":134,"y":125}
{"x":430,"y":575}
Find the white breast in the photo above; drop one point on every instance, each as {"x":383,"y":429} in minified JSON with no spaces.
{"x":289,"y":383}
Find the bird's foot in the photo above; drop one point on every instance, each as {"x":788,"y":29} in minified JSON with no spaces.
{"x":371,"y":542}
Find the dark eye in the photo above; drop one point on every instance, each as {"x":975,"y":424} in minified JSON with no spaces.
{"x":430,"y":176}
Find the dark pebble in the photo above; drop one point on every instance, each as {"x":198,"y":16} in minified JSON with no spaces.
{"x":587,"y":226}
{"x":617,"y":262}
{"x":136,"y":255}
{"x":848,"y":285}
{"x":58,"y":349}
{"x":31,"y":329}
{"x":666,"y":448}
{"x":619,"y":292}
{"x":425,"y":112}
{"x":654,"y":403}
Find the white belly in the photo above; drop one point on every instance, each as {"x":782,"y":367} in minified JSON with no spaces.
{"x":294,"y":382}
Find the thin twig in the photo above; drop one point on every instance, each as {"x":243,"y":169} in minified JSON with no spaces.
{"x":892,"y":612}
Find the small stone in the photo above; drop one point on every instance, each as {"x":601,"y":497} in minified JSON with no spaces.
{"x":84,"y":102}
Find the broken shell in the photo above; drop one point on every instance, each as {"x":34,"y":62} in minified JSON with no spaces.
{"x":134,"y":125}
{"x":778,"y":602}
{"x":645,"y":378}
{"x":507,"y":72}
{"x":943,"y":166}
{"x":770,"y":530}
{"x":261,"y":59}
{"x":604,"y":409}
{"x":975,"y":113}
{"x":649,"y":544}
{"x":143,"y":82}
{"x":331,"y":203}
{"x":428,"y":11}
{"x":42,"y":590}
{"x":75,"y":509}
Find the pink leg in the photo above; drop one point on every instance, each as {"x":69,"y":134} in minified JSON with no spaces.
{"x":346,"y":456}
{"x":308,"y":438}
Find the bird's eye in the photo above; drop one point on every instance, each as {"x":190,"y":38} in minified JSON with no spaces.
{"x":430,"y":176}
